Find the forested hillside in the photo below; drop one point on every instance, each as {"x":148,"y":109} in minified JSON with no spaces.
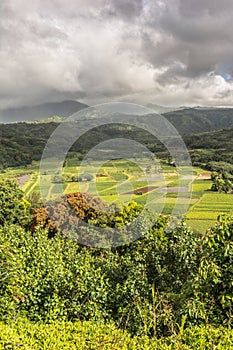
{"x":211,"y":146}
{"x":21,"y":143}
{"x":194,"y":120}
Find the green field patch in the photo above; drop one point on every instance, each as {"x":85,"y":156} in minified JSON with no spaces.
{"x":108,"y":164}
{"x":178,"y":182}
{"x":72,"y":170}
{"x":57,"y":188}
{"x":102,"y":178}
{"x":29,"y":187}
{"x":201,"y":226}
{"x":179,"y":208}
{"x":138,"y":184}
{"x":180,"y":200}
{"x":28,"y":184}
{"x":201,"y":185}
{"x":92,"y":187}
{"x":202,"y":215}
{"x":217,"y":197}
{"x":102,"y":186}
{"x":36,"y":188}
{"x":212,"y":210}
{"x":140,"y":199}
{"x":110,"y":199}
{"x":119,"y":176}
{"x":206,"y":211}
{"x":199,"y":171}
{"x":72,"y":187}
{"x":108,"y":192}
{"x":173,"y":190}
{"x":197,"y":194}
{"x":213,"y":206}
{"x":185,"y":194}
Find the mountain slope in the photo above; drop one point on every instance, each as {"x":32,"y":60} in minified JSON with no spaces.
{"x":219,"y":139}
{"x":195,"y":120}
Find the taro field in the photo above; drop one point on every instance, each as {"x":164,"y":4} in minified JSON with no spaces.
{"x":164,"y":188}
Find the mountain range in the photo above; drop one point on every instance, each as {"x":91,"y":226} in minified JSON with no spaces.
{"x":207,"y":133}
{"x":186,"y":120}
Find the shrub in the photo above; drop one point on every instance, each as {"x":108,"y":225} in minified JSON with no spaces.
{"x":12,"y":204}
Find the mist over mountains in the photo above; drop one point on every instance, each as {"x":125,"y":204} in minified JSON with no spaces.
{"x":27,"y":113}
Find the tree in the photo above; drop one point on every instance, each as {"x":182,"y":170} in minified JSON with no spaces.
{"x":80,"y":206}
{"x":221,"y":182}
{"x":13,"y":207}
{"x":213,"y":282}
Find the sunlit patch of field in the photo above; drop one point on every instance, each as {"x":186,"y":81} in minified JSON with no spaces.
{"x":208,"y":208}
{"x":201,"y":185}
{"x":200,"y":225}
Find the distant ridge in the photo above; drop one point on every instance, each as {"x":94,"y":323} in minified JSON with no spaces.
{"x":188,"y":120}
{"x":163,"y":109}
{"x":29,"y":113}
{"x":197,"y":120}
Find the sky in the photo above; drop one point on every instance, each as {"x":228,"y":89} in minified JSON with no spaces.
{"x":167,"y":52}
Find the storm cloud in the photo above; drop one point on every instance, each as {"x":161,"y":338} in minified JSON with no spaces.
{"x":171,"y":52}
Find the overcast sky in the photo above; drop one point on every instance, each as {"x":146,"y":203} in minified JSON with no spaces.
{"x":168,"y":52}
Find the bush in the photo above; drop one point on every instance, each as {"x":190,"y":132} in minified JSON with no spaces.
{"x":48,"y":278}
{"x":12,"y":205}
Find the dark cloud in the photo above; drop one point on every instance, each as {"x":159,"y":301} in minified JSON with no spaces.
{"x":127,"y":9}
{"x":195,"y":38}
{"x":192,"y":8}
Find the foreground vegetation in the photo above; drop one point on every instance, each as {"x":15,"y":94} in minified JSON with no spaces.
{"x":170,"y":289}
{"x":98,"y":336}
